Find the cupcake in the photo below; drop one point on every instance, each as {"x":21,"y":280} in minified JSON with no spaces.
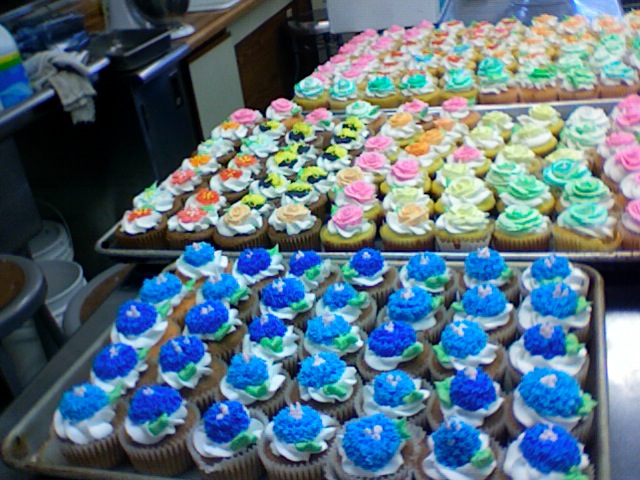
{"x":382,"y":92}
{"x":472,"y":396}
{"x":391,"y":346}
{"x":522,"y":156}
{"x":303,"y":133}
{"x":446,"y":174}
{"x":251,"y":380}
{"x":629,"y":190}
{"x":375,"y":164}
{"x":251,"y":163}
{"x":142,"y":228}
{"x":617,"y":79}
{"x":543,"y":116}
{"x":224,"y":443}
{"x":621,"y":164}
{"x":429,"y":160}
{"x":157,"y":199}
{"x":420,"y":111}
{"x":454,"y":132}
{"x":350,"y":140}
{"x":545,"y":450}
{"x":322,"y":121}
{"x":257,"y":202}
{"x":295,"y":443}
{"x":561,"y":172}
{"x":257,"y":267}
{"x":520,"y":228}
{"x":526,"y":190}
{"x":457,"y":108}
{"x":310,"y":94}
{"x":166,"y":293}
{"x":270,"y":339}
{"x":207,"y":199}
{"x":342,"y":93}
{"x":463,"y":228}
{"x":284,"y":111}
{"x":466,"y":190}
{"x":440,"y":143}
{"x":117,"y":368}
{"x":217,"y":325}
{"x":221,"y":150}
{"x":486,"y":139}
{"x":402,"y":128}
{"x":355,"y":307}
{"x":383,"y":145}
{"x":429,"y":271}
{"x":182,"y":182}
{"x":496,"y":84}
{"x":287,"y":299}
{"x":459,"y":83}
{"x":487,"y":266}
{"x":334,"y":159}
{"x":347,"y":230}
{"x":157,"y":431}
{"x":139,"y":325}
{"x":537,"y":84}
{"x":228,"y":289}
{"x":332,"y":333}
{"x":241,"y":227}
{"x":629,"y":226}
{"x":368,"y":271}
{"x":246,"y":116}
{"x":554,"y":268}
{"x":418,"y":308}
{"x":406,"y":172}
{"x":364,"y":195}
{"x":272,"y":187}
{"x":487,"y":305}
{"x":293,"y":226}
{"x":558,"y":304}
{"x":285,"y":163}
{"x":204,"y":165}
{"x":371,"y":115}
{"x":539,"y":139}
{"x":408,"y":228}
{"x":586,"y":190}
{"x":200,"y":260}
{"x":401,"y":196}
{"x":473,"y":158}
{"x":317,"y":177}
{"x":191,"y":224}
{"x":586,"y":227}
{"x":84,"y":425}
{"x":580,"y":83}
{"x":552,"y":397}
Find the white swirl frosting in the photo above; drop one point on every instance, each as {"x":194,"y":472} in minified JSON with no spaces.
{"x":158,"y":199}
{"x":408,"y":282}
{"x":309,"y":198}
{"x":630,"y":186}
{"x":177,"y":224}
{"x":404,"y":410}
{"x":97,"y":427}
{"x":232,"y":184}
{"x":486,"y":356}
{"x":528,"y":417}
{"x":284,"y":169}
{"x":210,"y":449}
{"x":146,"y":339}
{"x":288,"y":313}
{"x":275,"y":381}
{"x":251,"y":225}
{"x":528,"y":317}
{"x":488,"y":323}
{"x":216,"y":147}
{"x":349,"y":231}
{"x":325,"y":269}
{"x":350,"y":313}
{"x":347,"y":380}
{"x":577,"y":280}
{"x":127,"y":382}
{"x":403,"y":132}
{"x":232,"y":321}
{"x":315,"y":348}
{"x":141,"y":434}
{"x":273,"y":270}
{"x":393,"y":222}
{"x":604,"y":230}
{"x":385,"y":364}
{"x":289,"y":347}
{"x":523,"y":361}
{"x":292,"y":228}
{"x":217,"y":265}
{"x":140,"y":225}
{"x":475,"y":418}
{"x":174,"y":380}
{"x":270,"y":192}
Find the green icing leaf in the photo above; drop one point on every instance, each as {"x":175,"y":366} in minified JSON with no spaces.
{"x":308,"y":446}
{"x":506,"y":274}
{"x":188,"y":371}
{"x":190,"y":284}
{"x":163,"y":309}
{"x":359,"y":300}
{"x":142,"y":353}
{"x":222,"y":331}
{"x":482,"y":458}
{"x":586,"y":405}
{"x":334,"y":208}
{"x":243,"y":440}
{"x":437,"y":281}
{"x":442,"y":355}
{"x":413,"y":397}
{"x":348,"y":272}
{"x":413,"y":351}
{"x":312,"y":273}
{"x":238,"y":295}
{"x":257,"y":391}
{"x":207,"y":208}
{"x":274,"y":251}
{"x":457,"y":307}
{"x":274,"y":344}
{"x":335,"y":389}
{"x":442,"y":389}
{"x":343,"y":342}
{"x":300,"y":306}
{"x":401,"y":427}
{"x":583,"y":304}
{"x":575,"y":474}
{"x":572,"y":345}
{"x":115,"y":394}
{"x":157,"y":427}
{"x":436,"y":302}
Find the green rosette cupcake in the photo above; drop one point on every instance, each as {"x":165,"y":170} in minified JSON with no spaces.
{"x":586,"y":227}
{"x":561,"y":172}
{"x":520,"y":155}
{"x":459,"y":83}
{"x":586,"y":190}
{"x":496,"y":83}
{"x":538,"y":84}
{"x":526,"y":190}
{"x":521,"y":228}
{"x":543,"y":116}
{"x":382,"y":92}
{"x":501,"y":174}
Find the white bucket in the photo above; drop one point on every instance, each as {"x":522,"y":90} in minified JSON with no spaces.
{"x":64,"y":280}
{"x":52,"y":243}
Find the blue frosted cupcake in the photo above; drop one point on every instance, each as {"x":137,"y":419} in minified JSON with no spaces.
{"x":139,"y":325}
{"x":232,"y":291}
{"x":255,"y":382}
{"x":258,"y":266}
{"x":546,"y":451}
{"x":216,"y":325}
{"x":429,"y":271}
{"x":117,"y":368}
{"x":464,"y":344}
{"x":548,"y":346}
{"x":157,"y":430}
{"x":396,"y":395}
{"x":391,"y":346}
{"x":224,"y":444}
{"x":332,"y":333}
{"x":296,"y":442}
{"x":374,"y":446}
{"x":368,"y":271}
{"x":355,"y":307}
{"x":327,"y":384}
{"x":417,"y":307}
{"x":287,"y":299}
{"x":199,"y":261}
{"x":457,"y":450}
{"x":486,"y":266}
{"x":487,"y":306}
{"x":165,"y":292}
{"x":557,"y":304}
{"x":84,"y":424}
{"x":550,"y":396}
{"x":472,"y":396}
{"x":553,"y":269}
{"x":270,"y":339}
{"x":314,"y":272}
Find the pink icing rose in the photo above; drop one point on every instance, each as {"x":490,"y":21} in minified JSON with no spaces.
{"x":244,"y":116}
{"x":378,"y":143}
{"x":369,"y":33}
{"x":425,"y":25}
{"x":466,"y":154}
{"x":360,"y":63}
{"x":347,"y":216}
{"x":326,"y":69}
{"x":405,"y":169}
{"x":633,"y":209}
{"x":620,"y":139}
{"x":629,"y":103}
{"x":352,"y":74}
{"x":367,"y":57}
{"x":358,"y":40}
{"x":282,"y":105}
{"x":347,"y":49}
{"x":412,"y":35}
{"x":361,"y":192}
{"x":415,"y":106}
{"x":629,"y":158}
{"x":371,"y":161}
{"x":454,"y":104}
{"x":628,"y":119}
{"x":318,"y":115}
{"x":339,"y":59}
{"x":321,"y":77}
{"x":395,"y":28}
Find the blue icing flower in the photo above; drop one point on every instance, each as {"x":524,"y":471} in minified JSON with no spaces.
{"x":114,"y":361}
{"x":295,"y":424}
{"x":198,"y":254}
{"x":82,"y":402}
{"x":455,"y":443}
{"x":391,"y":339}
{"x":245,"y":371}
{"x":158,"y":289}
{"x":337,"y":296}
{"x":472,"y":389}
{"x":223,"y":421}
{"x":551,"y":392}
{"x":266,"y":326}
{"x":303,"y":261}
{"x":550,"y":448}
{"x":552,"y":267}
{"x":321,"y":369}
{"x":281,"y":293}
{"x":220,"y":289}
{"x":545,"y":340}
{"x":425,"y":265}
{"x":253,"y":261}
{"x":484,"y":301}
{"x":409,"y":305}
{"x":367,"y":262}
{"x":323,"y":330}
{"x":390,"y":388}
{"x":179,"y":352}
{"x":554,"y":300}
{"x":135,"y":317}
{"x":484,"y":265}
{"x":371,"y":442}
{"x":150,"y":403}
{"x":206,"y":318}
{"x":464,"y":338}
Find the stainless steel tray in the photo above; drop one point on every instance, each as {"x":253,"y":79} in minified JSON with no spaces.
{"x":27,"y":447}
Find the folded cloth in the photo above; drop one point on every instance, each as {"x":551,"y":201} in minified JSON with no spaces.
{"x":68,"y":77}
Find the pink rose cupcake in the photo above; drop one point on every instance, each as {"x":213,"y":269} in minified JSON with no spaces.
{"x":420,"y":112}
{"x":384,"y":145}
{"x":285,"y":111}
{"x":613,"y":143}
{"x":629,"y":226}
{"x":473,"y":158}
{"x":347,"y":230}
{"x":327,"y":70}
{"x":362,"y":194}
{"x":629,"y":189}
{"x":322,"y":121}
{"x":406,"y":172}
{"x":631,"y":102}
{"x":247,"y":117}
{"x":374,"y":163}
{"x":457,"y":108}
{"x":623,"y":163}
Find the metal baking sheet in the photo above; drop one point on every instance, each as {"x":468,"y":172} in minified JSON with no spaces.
{"x":27,"y":448}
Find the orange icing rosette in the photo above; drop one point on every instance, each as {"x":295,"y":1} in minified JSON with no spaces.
{"x":237,"y":214}
{"x":199,"y":160}
{"x":413,"y":214}
{"x":348,"y":175}
{"x":400,"y":119}
{"x":432,"y":136}
{"x":245,"y":160}
{"x":138,"y":213}
{"x":229,"y":125}
{"x":418,"y":149}
{"x":292,"y":213}
{"x":207,"y":197}
{"x":229,"y":173}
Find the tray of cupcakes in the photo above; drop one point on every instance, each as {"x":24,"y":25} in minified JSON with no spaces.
{"x":525,"y":179}
{"x":305,"y":367}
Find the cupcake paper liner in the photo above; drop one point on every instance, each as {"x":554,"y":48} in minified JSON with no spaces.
{"x":393,"y":242}
{"x":279,"y":468}
{"x":247,"y":309}
{"x":229,"y":345}
{"x":418,"y":367}
{"x":496,"y":369}
{"x":583,"y":334}
{"x":432,"y":335}
{"x":335,"y":243}
{"x":179,"y":240}
{"x":628,"y":239}
{"x":238,"y":243}
{"x":308,"y":240}
{"x":513,"y":376}
{"x":151,"y":240}
{"x":468,"y":242}
{"x":525,"y":243}
{"x":380,"y":293}
{"x":565,"y":240}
